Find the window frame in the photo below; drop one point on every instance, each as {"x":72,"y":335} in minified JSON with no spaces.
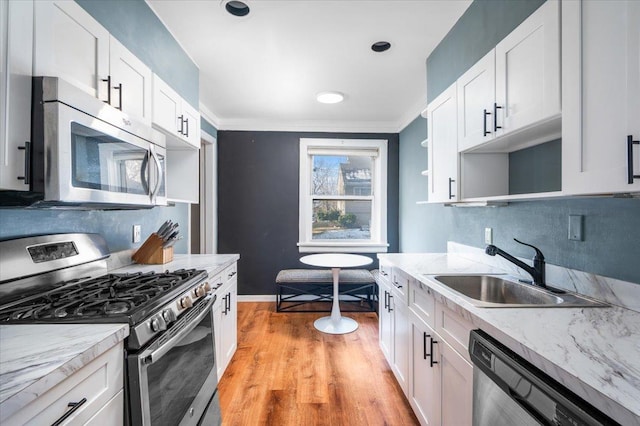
{"x":378,"y":229}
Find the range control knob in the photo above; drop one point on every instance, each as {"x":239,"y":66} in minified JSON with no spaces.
{"x":201,"y":290}
{"x":207,"y":287}
{"x":169,"y":316}
{"x":185,"y":302}
{"x":157,"y":324}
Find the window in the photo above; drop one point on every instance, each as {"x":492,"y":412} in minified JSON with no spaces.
{"x":343,"y":195}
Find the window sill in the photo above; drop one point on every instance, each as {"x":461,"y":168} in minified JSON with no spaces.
{"x":343,"y":247}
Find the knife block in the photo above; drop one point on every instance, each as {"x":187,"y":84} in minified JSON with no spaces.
{"x":151,"y":252}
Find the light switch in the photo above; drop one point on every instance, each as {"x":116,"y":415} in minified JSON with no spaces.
{"x":575,"y":227}
{"x":136,"y":233}
{"x":488,"y":236}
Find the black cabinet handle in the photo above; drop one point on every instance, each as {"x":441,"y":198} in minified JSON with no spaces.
{"x":424,"y":344}
{"x":231,"y":274}
{"x":395,"y":283}
{"x":119,"y":89}
{"x":450,"y":182}
{"x":181,"y":131}
{"x":27,"y":163}
{"x":630,"y":144}
{"x":383,"y":273}
{"x":390,"y":297}
{"x":484,"y":123}
{"x":186,"y":133}
{"x":74,"y":407}
{"x":431,"y":356}
{"x":495,"y":117}
{"x":386,"y":300}
{"x":108,"y":81}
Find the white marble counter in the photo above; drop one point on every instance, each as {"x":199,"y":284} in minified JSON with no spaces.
{"x":212,"y":263}
{"x":595,"y":352}
{"x":36,"y":357}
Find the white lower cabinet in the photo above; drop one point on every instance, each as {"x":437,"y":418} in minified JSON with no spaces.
{"x":96,"y":390}
{"x":394,"y":326}
{"x":225,"y":317}
{"x":426,"y":343}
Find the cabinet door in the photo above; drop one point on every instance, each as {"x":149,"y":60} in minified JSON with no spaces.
{"x":601,"y":83}
{"x":443,"y":151}
{"x":230,"y":323}
{"x":72,"y":45}
{"x":166,"y":106}
{"x":455,"y":383}
{"x":190,"y":125}
{"x":384,"y":326}
{"x":528,"y":70}
{"x":401,"y":338}
{"x":476,"y":103}
{"x":16,"y":47}
{"x":130,"y":82}
{"x":423,"y":394}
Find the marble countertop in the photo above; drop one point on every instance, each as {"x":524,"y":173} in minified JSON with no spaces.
{"x":212,"y":263}
{"x":595,"y":352}
{"x":36,"y":357}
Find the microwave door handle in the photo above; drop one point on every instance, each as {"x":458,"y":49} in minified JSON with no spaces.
{"x":159,"y":175}
{"x":144,"y":173}
{"x":162,"y":350}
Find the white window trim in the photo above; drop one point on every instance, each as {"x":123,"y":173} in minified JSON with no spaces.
{"x":378,"y":242}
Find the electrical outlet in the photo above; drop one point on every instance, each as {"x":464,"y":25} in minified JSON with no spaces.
{"x":137,"y":233}
{"x":575,"y":227}
{"x":488,"y":236}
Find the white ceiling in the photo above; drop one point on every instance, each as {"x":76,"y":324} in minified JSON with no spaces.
{"x":263,"y":71}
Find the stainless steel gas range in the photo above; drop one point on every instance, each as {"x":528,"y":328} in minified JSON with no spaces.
{"x":170,"y":352}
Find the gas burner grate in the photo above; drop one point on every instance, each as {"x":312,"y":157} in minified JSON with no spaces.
{"x":111,"y":295}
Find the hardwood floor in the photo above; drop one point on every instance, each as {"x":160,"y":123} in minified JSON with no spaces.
{"x":285,"y":372}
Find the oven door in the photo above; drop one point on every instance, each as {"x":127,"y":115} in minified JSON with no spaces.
{"x":89,"y":161}
{"x":172,"y":381}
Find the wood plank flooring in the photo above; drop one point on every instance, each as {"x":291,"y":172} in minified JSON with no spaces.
{"x":285,"y":372}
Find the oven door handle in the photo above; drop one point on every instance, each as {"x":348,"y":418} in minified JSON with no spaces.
{"x":162,"y":350}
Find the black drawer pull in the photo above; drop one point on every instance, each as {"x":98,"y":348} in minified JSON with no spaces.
{"x":424,"y":344}
{"x":27,"y":163}
{"x":495,"y":117}
{"x":119,"y":89}
{"x":630,"y":144}
{"x":74,"y":407}
{"x":108,"y":81}
{"x":484,"y":124}
{"x":451,"y":195}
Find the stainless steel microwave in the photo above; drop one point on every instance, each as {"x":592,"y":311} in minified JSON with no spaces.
{"x":85,"y":153}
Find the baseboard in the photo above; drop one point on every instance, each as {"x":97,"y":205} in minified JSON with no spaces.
{"x":257,"y":298}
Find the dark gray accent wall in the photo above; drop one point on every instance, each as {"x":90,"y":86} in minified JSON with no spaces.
{"x":611,"y":244}
{"x":258,"y":175}
{"x":478,"y":30}
{"x":138,"y":28}
{"x":114,"y":225}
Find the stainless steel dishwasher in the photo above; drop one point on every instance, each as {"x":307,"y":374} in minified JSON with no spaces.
{"x":508,"y":390}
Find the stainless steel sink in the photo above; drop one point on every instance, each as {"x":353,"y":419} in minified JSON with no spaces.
{"x":494,"y":292}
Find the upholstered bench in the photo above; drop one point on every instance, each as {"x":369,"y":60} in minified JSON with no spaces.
{"x":297,"y":287}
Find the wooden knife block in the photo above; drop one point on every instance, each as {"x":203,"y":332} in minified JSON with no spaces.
{"x":151,"y":252}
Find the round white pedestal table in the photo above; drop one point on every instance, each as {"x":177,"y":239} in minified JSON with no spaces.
{"x":336,"y":323}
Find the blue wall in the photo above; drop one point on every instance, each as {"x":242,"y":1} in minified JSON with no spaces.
{"x":208,"y":127}
{"x":137,"y":27}
{"x":611,"y":245}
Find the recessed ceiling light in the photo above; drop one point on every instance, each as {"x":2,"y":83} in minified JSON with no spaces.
{"x":237,"y":8}
{"x":380,"y":46}
{"x":330,"y":97}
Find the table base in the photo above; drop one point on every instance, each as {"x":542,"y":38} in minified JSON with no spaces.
{"x":344,"y":325}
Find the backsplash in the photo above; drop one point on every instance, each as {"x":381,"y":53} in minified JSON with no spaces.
{"x":609,"y":290}
{"x":114,"y":225}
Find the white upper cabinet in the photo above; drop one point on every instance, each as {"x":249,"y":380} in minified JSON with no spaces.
{"x":601,"y":95}
{"x":477,"y":122}
{"x":510,"y":99}
{"x":72,"y":45}
{"x":528,"y":70}
{"x":130,"y":82}
{"x":16,"y":44}
{"x":175,"y":116}
{"x":443,"y":151}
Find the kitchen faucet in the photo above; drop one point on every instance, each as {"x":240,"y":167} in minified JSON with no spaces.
{"x":536,"y":272}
